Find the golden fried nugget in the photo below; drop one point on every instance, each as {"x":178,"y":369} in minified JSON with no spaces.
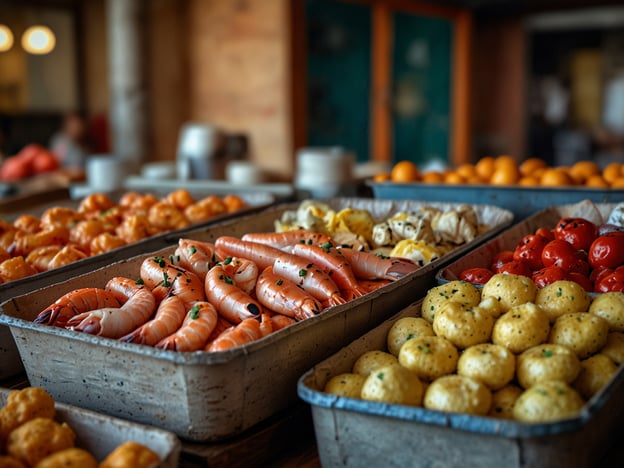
{"x":10,"y":462}
{"x":69,"y":458}
{"x":24,"y":405}
{"x":36,"y":439}
{"x":131,"y":454}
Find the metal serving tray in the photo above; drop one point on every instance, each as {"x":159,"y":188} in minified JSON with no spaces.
{"x":357,"y":433}
{"x":205,"y":396}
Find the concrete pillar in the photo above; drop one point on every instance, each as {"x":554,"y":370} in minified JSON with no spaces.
{"x":127,"y":80}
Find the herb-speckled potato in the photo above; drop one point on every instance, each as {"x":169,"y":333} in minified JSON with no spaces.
{"x":347,"y":384}
{"x":372,"y":360}
{"x":462,"y":324}
{"x":562,"y":297}
{"x":458,"y":393}
{"x":457,"y":291}
{"x":610,"y":306}
{"x":429,"y":357}
{"x":614,"y":348}
{"x":521,"y":327}
{"x":405,"y":329}
{"x":547,"y":362}
{"x":547,"y":401}
{"x":510,"y":290}
{"x":503,"y":401}
{"x":595,"y":373}
{"x":393,"y":384}
{"x":491,"y":364}
{"x":582,"y":332}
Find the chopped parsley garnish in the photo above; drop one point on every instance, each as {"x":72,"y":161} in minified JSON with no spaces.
{"x":547,"y":353}
{"x":192,"y":249}
{"x":166,"y":283}
{"x":139,"y":281}
{"x":194,"y":312}
{"x":279,"y":282}
{"x":227,"y":260}
{"x":303,"y":272}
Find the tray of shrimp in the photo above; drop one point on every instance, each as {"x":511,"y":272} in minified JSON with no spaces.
{"x":207,"y":336}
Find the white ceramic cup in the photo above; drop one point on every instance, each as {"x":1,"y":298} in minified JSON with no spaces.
{"x":243,"y":173}
{"x":324,"y":171}
{"x":105,"y":172}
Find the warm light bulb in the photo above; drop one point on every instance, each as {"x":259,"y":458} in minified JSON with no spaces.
{"x":38,"y":40}
{"x":6,"y":38}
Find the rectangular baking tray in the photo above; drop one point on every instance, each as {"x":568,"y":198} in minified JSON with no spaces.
{"x":483,"y":255}
{"x":10,"y":363}
{"x":521,"y":201}
{"x":205,"y":396}
{"x":357,"y":433}
{"x":100,"y":434}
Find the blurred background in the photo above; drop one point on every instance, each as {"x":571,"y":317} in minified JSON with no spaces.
{"x":443,"y":81}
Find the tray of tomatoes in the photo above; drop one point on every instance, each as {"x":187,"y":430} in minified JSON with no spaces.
{"x":583,"y":242}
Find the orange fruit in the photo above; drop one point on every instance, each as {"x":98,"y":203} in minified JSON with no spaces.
{"x":596,"y":181}
{"x":485,"y":167}
{"x":583,"y":170}
{"x":405,"y":171}
{"x":612,"y":172}
{"x":529,"y":166}
{"x":505,"y":160}
{"x":505,"y":174}
{"x":555,"y":177}
{"x":466,"y":171}
{"x":529,"y":181}
{"x":618,"y":183}
{"x":381,"y":177}
{"x":453,"y":178}
{"x":433,"y":177}
{"x":475,"y":180}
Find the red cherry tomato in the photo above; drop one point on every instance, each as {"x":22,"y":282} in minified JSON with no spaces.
{"x":611,"y":282}
{"x":561,"y":253}
{"x":598,"y":273}
{"x":581,"y":279}
{"x":607,"y":251}
{"x":515,"y":267}
{"x":529,"y":250}
{"x":500,"y":259}
{"x":548,"y":275}
{"x":476,"y":275}
{"x":545,"y":233}
{"x":579,"y":232}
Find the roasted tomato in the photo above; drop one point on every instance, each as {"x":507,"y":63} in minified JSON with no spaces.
{"x":476,"y":275}
{"x":598,"y":273}
{"x":515,"y":267}
{"x":500,"y":259}
{"x":611,"y":282}
{"x":545,"y":232}
{"x":548,"y":275}
{"x":529,"y":251}
{"x":607,"y":251}
{"x":561,"y":253}
{"x":579,"y":232}
{"x":581,"y":279}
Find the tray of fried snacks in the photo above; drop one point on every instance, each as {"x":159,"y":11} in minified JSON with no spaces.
{"x":207,"y":336}
{"x":503,"y":375}
{"x":37,"y":431}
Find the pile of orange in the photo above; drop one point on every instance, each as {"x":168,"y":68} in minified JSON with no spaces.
{"x":505,"y":170}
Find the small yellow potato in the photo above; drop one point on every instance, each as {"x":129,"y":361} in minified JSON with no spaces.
{"x":547,"y":401}
{"x":562,"y":297}
{"x":429,"y":357}
{"x":610,"y":306}
{"x":547,"y":362}
{"x":521,"y":327}
{"x":458,"y":393}
{"x":582,"y":332}
{"x":10,"y":462}
{"x":39,"y":437}
{"x":503,"y":401}
{"x":69,"y":458}
{"x":347,"y":385}
{"x":491,"y":305}
{"x":393,"y":384}
{"x":456,"y":291}
{"x":596,"y":371}
{"x":614,"y":347}
{"x":510,"y":290}
{"x":372,"y":360}
{"x":489,"y":363}
{"x":405,"y":329}
{"x":463,"y":325}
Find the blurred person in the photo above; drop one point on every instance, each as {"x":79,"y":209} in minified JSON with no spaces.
{"x":72,"y":143}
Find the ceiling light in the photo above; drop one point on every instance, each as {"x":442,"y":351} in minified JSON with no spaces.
{"x":6,"y":38}
{"x":38,"y":40}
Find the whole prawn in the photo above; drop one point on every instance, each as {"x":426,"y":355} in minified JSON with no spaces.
{"x":283,"y":239}
{"x":368,"y":266}
{"x":113,"y":322}
{"x":244,"y":272}
{"x":284,"y":297}
{"x":195,"y":331}
{"x":262,"y":255}
{"x":245,"y":332}
{"x":74,"y":303}
{"x":231,"y":301}
{"x":196,"y":256}
{"x":169,"y":317}
{"x":162,"y":277}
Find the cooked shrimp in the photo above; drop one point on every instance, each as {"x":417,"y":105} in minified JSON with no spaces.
{"x":23,"y":244}
{"x":60,"y":216}
{"x":76,"y":302}
{"x":197,"y":327}
{"x":113,"y":322}
{"x":281,"y":321}
{"x":231,"y":301}
{"x":221,"y":326}
{"x":310,"y":277}
{"x":266,"y":323}
{"x":233,"y":203}
{"x":245,"y":332}
{"x":95,"y":203}
{"x":261,"y":254}
{"x":169,"y":317}
{"x":4,"y":255}
{"x":105,"y":242}
{"x":41,"y":257}
{"x":196,"y":256}
{"x":27,"y":223}
{"x":162,"y":277}
{"x":134,"y":228}
{"x":284,"y":297}
{"x":166,"y":217}
{"x":368,"y":266}
{"x":243,"y":272}
{"x":85,"y":231}
{"x":16,"y":268}
{"x":7,"y":234}
{"x":283,"y":239}
{"x":205,"y":209}
{"x":68,"y":254}
{"x":332,"y":262}
{"x":180,"y":198}
{"x":138,"y":203}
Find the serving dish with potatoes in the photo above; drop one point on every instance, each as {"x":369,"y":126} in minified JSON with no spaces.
{"x":503,"y":375}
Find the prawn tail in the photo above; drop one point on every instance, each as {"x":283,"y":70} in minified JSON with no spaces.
{"x":400,"y":268}
{"x":85,"y":323}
